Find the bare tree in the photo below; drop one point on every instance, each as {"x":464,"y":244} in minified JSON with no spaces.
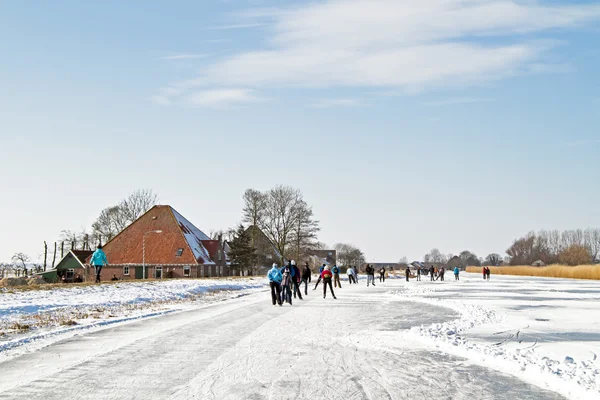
{"x":21,"y":260}
{"x":305,"y":231}
{"x":54,"y":256}
{"x":285,"y":209}
{"x":137,"y":203}
{"x":493,"y":259}
{"x":45,"y":254}
{"x":403,"y":261}
{"x":435,"y":256}
{"x":112,"y":220}
{"x":349,"y":255}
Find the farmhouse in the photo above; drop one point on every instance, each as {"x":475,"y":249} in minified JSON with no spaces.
{"x":163,"y":244}
{"x":67,"y":269}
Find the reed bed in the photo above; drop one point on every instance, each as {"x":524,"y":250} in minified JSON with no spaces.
{"x":551,"y":271}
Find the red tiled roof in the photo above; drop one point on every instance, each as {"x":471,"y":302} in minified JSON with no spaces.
{"x":161,"y":248}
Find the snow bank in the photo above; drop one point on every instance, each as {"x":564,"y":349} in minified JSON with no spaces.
{"x":45,"y":316}
{"x":502,"y":327}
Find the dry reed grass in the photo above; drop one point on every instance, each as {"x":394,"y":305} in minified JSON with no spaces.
{"x":551,"y":271}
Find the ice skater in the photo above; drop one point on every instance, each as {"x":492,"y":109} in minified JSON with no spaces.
{"x":336,"y":276}
{"x":488,"y":272}
{"x":326,"y":275}
{"x":407,"y":272}
{"x":382,"y":275}
{"x":442,"y":272}
{"x":274,"y":276}
{"x":456,"y":272}
{"x":286,"y":284}
{"x":418,"y":273}
{"x":319,"y":279}
{"x":306,"y":278}
{"x":296,"y":279}
{"x":432,"y":273}
{"x":350,"y":272}
{"x":370,"y":275}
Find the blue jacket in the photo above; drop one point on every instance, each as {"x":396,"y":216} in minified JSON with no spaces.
{"x":274,"y":275}
{"x":456,"y":271}
{"x":321,"y":269}
{"x":98,"y":258}
{"x":335,"y":269}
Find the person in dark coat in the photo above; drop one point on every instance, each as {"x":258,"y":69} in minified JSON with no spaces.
{"x":418,"y":273}
{"x":306,"y":277}
{"x":407,"y":273}
{"x":296,"y":279}
{"x":432,"y":273}
{"x":382,"y":274}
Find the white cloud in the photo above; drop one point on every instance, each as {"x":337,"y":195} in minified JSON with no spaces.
{"x":222,"y":98}
{"x":328,"y":103}
{"x":403,"y":45}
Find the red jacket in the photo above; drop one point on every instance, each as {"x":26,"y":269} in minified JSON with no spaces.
{"x":326,"y":274}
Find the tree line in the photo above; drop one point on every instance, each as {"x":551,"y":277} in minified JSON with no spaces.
{"x":569,"y":247}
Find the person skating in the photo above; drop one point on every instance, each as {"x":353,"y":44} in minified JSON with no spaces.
{"x":456,"y":272}
{"x":319,"y":279}
{"x":326,"y":275}
{"x":370,"y":275}
{"x":336,"y":276}
{"x":350,"y":272}
{"x":98,"y":261}
{"x":442,"y":272}
{"x":484,"y":271}
{"x":286,"y":284}
{"x":407,"y":272}
{"x":432,"y":273}
{"x":488,"y":273}
{"x":382,"y":274}
{"x":418,"y":273}
{"x":306,"y":277}
{"x":296,"y":279}
{"x":355,"y":275}
{"x":274,"y":276}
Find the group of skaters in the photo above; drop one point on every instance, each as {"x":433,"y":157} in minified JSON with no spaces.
{"x":434,"y":273}
{"x":287,"y":282}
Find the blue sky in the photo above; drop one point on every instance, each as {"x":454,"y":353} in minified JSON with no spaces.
{"x":450,"y":124}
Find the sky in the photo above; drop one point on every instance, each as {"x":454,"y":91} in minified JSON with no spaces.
{"x":455,"y":124}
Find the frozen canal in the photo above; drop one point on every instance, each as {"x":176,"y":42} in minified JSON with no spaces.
{"x":351,"y":348}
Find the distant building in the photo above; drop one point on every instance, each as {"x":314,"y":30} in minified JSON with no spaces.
{"x":71,"y":265}
{"x":174,"y":248}
{"x":329,"y":257}
{"x":266,"y":251}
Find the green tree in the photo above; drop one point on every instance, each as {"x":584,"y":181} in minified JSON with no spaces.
{"x":242,"y":253}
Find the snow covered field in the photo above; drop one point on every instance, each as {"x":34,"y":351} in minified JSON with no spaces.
{"x":512,"y":337}
{"x":33,"y":319}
